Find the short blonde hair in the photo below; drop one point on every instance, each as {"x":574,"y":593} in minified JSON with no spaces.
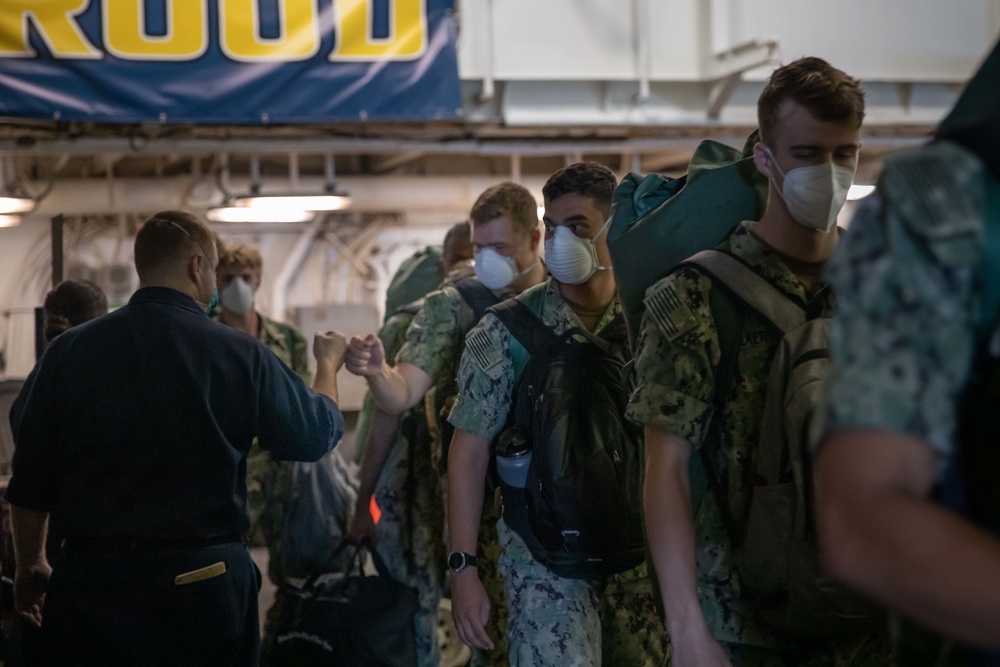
{"x":507,"y":199}
{"x":240,"y":256}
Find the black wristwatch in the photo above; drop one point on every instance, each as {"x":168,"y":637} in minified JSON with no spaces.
{"x":459,"y":560}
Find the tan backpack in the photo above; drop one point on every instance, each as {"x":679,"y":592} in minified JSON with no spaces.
{"x":774,"y":547}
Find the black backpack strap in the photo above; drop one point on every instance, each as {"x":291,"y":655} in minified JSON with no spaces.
{"x":524,"y":325}
{"x":616,"y":331}
{"x":477,"y":295}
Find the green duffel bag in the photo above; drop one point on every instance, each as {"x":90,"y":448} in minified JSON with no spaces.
{"x":657,"y":222}
{"x":417,"y":276}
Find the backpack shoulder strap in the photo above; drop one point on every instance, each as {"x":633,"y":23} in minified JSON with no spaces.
{"x":477,"y":295}
{"x":729,"y":321}
{"x":528,"y":331}
{"x":615,"y":331}
{"x":750,"y":288}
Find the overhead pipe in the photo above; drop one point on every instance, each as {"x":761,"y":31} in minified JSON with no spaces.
{"x":319,"y":146}
{"x":370,"y":194}
{"x":643,"y":49}
{"x":489,"y":82}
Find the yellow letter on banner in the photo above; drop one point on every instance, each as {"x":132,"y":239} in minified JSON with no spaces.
{"x":125,"y":31}
{"x":407,"y":38}
{"x":54,"y":20}
{"x":298,"y":40}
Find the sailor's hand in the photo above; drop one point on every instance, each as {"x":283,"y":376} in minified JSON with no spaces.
{"x":330,"y":347}
{"x":365,"y":356}
{"x":470,"y":609}
{"x":30,"y":583}
{"x":362,"y":529}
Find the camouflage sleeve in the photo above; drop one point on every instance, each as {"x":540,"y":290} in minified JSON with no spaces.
{"x":485,"y":380}
{"x":435,"y":333}
{"x":299,"y":349}
{"x":903,"y":333}
{"x":393,"y":334}
{"x":676,"y":354}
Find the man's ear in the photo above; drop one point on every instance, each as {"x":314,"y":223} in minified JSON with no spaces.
{"x":193,"y":267}
{"x":762,"y":160}
{"x":536,"y":237}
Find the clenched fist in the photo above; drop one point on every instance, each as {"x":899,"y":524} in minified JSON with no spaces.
{"x":330,"y":347}
{"x":365,"y":356}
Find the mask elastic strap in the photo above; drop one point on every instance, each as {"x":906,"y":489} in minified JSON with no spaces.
{"x":593,"y":244}
{"x":187,"y":234}
{"x":523,"y":271}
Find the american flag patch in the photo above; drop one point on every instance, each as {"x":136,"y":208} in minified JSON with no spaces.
{"x":669,"y":312}
{"x":480,"y":346}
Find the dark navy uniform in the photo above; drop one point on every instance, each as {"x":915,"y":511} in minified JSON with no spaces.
{"x":133,"y":437}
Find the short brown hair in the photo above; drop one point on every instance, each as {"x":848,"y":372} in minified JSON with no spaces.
{"x":589,"y":179}
{"x":826,"y":92}
{"x":510,"y":200}
{"x":166,"y":240}
{"x":241,"y":256}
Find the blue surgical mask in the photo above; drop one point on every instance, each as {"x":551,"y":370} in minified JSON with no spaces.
{"x":213,"y":305}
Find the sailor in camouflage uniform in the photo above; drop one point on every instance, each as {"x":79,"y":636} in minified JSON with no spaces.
{"x":429,"y":358}
{"x":553,"y":620}
{"x":810,"y":117}
{"x":398,"y":468}
{"x":239,"y":277}
{"x":919,"y":286}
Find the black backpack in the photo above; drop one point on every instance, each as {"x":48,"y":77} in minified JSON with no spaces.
{"x":580,"y":512}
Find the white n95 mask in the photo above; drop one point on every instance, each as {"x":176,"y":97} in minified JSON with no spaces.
{"x":814,"y":195}
{"x":493,"y":269}
{"x":569,"y":258}
{"x":237,"y":296}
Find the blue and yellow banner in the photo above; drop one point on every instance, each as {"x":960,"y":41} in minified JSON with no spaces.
{"x":228,"y":61}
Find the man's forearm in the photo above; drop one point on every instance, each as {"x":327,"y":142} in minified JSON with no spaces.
{"x":933,"y":566}
{"x":670,"y":530}
{"x":326,"y":380}
{"x":30,"y":530}
{"x":468,"y":461}
{"x":879,"y":534}
{"x":381,"y":438}
{"x":398,"y":388}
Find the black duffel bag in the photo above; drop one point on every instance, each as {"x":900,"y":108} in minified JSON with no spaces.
{"x":358,"y":620}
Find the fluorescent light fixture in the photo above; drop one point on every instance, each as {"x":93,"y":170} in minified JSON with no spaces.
{"x":541,"y":212}
{"x":859,"y":192}
{"x":10,"y":220}
{"x":263,"y":215}
{"x":16,"y":204}
{"x":325,"y":202}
